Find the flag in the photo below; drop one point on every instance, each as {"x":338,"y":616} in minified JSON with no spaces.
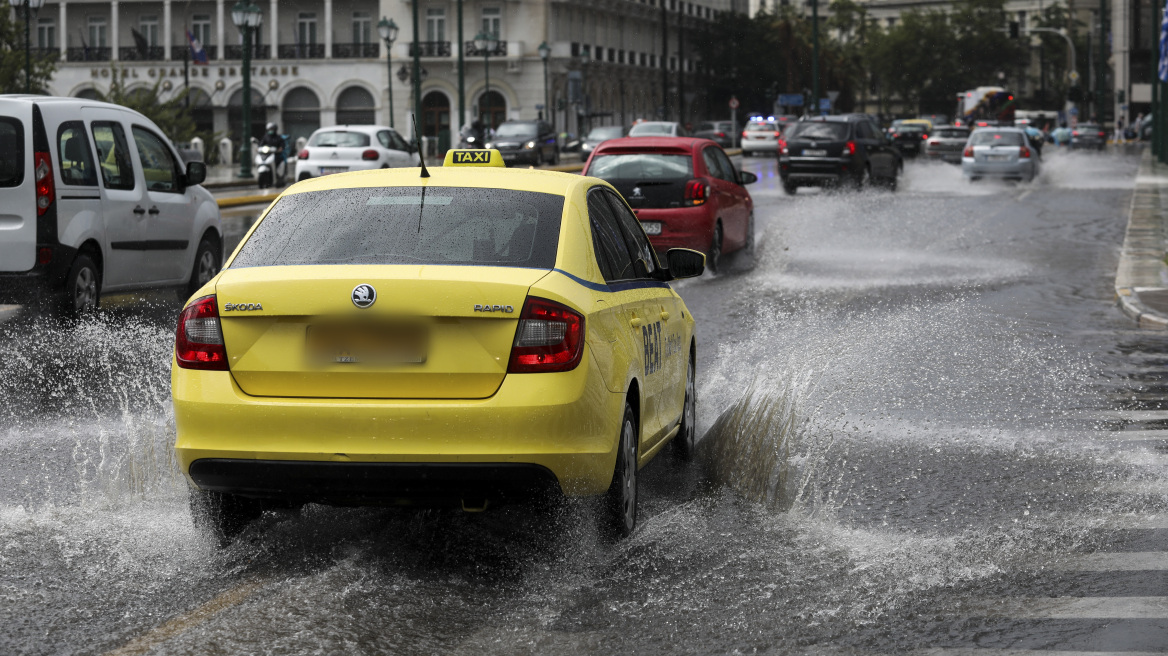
{"x":198,"y":55}
{"x":1163,"y":72}
{"x":140,"y":43}
{"x":84,"y":45}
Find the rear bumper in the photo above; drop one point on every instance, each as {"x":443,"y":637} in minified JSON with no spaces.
{"x":566,"y":423}
{"x":1007,"y":170}
{"x":814,"y":171}
{"x":760,"y":145}
{"x":524,"y":156}
{"x":40,"y":282}
{"x":952,"y":157}
{"x":683,"y":227}
{"x":313,"y":166}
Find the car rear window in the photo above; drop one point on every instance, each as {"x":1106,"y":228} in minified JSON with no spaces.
{"x":762,"y":127}
{"x":607,"y":132}
{"x":952,"y":133}
{"x":651,"y":128}
{"x":11,"y":152}
{"x":988,"y":137}
{"x":408,"y":225}
{"x":818,"y":130}
{"x":339,"y":140}
{"x":641,"y":166}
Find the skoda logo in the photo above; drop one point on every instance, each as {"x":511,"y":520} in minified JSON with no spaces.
{"x":364,"y":295}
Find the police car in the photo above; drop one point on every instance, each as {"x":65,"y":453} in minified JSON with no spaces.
{"x":466,"y":336}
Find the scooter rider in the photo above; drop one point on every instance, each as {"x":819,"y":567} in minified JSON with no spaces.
{"x":272,"y":138}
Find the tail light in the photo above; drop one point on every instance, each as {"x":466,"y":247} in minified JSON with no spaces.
{"x":722,"y":135}
{"x":968,"y":152}
{"x":783,"y":150}
{"x":934,"y":143}
{"x":696,"y":192}
{"x":303,"y":154}
{"x":894,"y":135}
{"x":924,"y":137}
{"x":1102,"y":134}
{"x":1075,"y":133}
{"x":851,"y":146}
{"x":369,"y":155}
{"x":45,"y":189}
{"x":1024,"y":152}
{"x":744,"y":133}
{"x":44,"y":255}
{"x":550,"y":337}
{"x":198,"y":342}
{"x":778,"y":134}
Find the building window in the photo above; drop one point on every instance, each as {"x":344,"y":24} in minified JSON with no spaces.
{"x":1022,"y":21}
{"x":436,"y":24}
{"x":46,"y":33}
{"x":201,"y":28}
{"x":620,"y":56}
{"x":493,"y":21}
{"x":148,"y":26}
{"x":891,"y":22}
{"x":575,"y":49}
{"x":612,"y":54}
{"x":362,"y":27}
{"x":306,"y":28}
{"x":98,"y":32}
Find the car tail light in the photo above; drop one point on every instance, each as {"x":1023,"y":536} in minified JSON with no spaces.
{"x":934,"y":143}
{"x":894,"y":135}
{"x":369,"y":155}
{"x":1075,"y":133}
{"x":744,"y":133}
{"x":1024,"y":152}
{"x":303,"y":154}
{"x":198,"y":342}
{"x":783,"y":150}
{"x":982,"y":124}
{"x":45,"y":190}
{"x":968,"y":152}
{"x":550,"y":337}
{"x":696,"y":192}
{"x":924,"y":137}
{"x":44,"y":255}
{"x":722,"y":135}
{"x":851,"y":146}
{"x":778,"y":134}
{"x":1102,"y":134}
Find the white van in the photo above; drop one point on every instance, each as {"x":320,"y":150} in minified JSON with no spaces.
{"x":94,"y":199}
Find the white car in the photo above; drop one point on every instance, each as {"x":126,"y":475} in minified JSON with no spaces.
{"x":658,"y":129}
{"x":761,"y":137}
{"x":343,"y":148}
{"x":95,"y":199}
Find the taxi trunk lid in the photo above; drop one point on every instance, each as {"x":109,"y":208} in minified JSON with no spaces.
{"x":300,"y":333}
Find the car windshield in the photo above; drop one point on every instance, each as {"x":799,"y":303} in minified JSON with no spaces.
{"x":408,"y":225}
{"x":641,"y":166}
{"x":761,"y":127}
{"x":1088,"y":127}
{"x":905,"y":129}
{"x":643,"y":129}
{"x":952,"y":133}
{"x":818,"y":130}
{"x":994,"y":138}
{"x":606,"y":132}
{"x":526,"y":130}
{"x":338,"y":139}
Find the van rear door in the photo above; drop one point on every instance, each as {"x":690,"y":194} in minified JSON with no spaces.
{"x":18,"y":216}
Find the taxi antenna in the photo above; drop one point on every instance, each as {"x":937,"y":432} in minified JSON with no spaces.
{"x":418,"y":140}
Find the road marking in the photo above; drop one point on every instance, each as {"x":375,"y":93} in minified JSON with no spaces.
{"x":188,"y":621}
{"x":1025,"y":194}
{"x":1073,"y":608}
{"x":1139,"y":561}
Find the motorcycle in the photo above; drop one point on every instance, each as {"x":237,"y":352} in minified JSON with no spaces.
{"x":268,"y":171}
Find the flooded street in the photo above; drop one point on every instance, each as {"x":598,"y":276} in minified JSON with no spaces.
{"x":922,"y":431}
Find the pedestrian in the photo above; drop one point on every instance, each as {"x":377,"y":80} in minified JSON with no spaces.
{"x":1120,"y":138}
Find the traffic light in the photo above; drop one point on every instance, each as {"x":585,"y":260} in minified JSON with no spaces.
{"x":1014,"y":29}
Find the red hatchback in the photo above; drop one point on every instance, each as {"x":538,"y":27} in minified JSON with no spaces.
{"x":685,"y":191}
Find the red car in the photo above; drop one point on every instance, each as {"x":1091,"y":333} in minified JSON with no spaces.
{"x":685,"y":191}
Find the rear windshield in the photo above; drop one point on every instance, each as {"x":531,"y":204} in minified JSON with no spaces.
{"x":641,"y":166}
{"x":340,"y":140}
{"x":651,"y":128}
{"x":818,"y":130}
{"x":952,"y":133}
{"x":904,"y":129}
{"x":990,"y":137}
{"x":516,"y":130}
{"x":607,"y":132}
{"x":11,"y":152}
{"x":762,"y":127}
{"x":408,"y":225}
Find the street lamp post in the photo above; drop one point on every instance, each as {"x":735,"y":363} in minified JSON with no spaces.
{"x":388,"y":31}
{"x":33,"y":6}
{"x":544,"y":53}
{"x":485,"y":42}
{"x":248,"y":18}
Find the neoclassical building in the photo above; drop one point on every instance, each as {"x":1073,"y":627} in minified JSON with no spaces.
{"x":322,"y":62}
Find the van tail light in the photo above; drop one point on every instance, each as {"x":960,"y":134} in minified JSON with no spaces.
{"x":369,"y":155}
{"x":851,"y":147}
{"x":968,"y":152}
{"x":198,"y":342}
{"x":783,"y":150}
{"x":550,"y":337}
{"x":45,"y":189}
{"x":1024,"y":152}
{"x":303,"y":154}
{"x":696,"y":192}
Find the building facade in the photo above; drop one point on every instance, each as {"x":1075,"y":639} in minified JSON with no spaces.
{"x":318,"y":63}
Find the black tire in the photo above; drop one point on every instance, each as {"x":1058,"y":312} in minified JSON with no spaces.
{"x":714,"y":253}
{"x":619,"y":516}
{"x":207,"y":263}
{"x":222,"y":516}
{"x":790,"y":187}
{"x":538,"y":157}
{"x":556,"y":157}
{"x":81,"y":294}
{"x":748,"y":248}
{"x":304,"y":176}
{"x":686,"y":442}
{"x":265,"y":179}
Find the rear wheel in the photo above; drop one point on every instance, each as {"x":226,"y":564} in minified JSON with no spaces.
{"x":685,"y":443}
{"x":620,"y":503}
{"x":790,"y":187}
{"x":205,"y":267}
{"x":265,"y":179}
{"x":749,"y":247}
{"x":82,"y":288}
{"x":222,"y":516}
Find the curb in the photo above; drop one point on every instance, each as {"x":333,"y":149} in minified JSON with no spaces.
{"x":236,"y":201}
{"x":1141,"y":261}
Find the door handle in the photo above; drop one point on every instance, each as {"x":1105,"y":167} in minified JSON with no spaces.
{"x":635,"y":322}
{"x":664,"y":316}
{"x":154,"y":210}
{"x":139,"y":210}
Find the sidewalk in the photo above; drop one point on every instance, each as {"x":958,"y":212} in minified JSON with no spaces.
{"x":1141,"y":281}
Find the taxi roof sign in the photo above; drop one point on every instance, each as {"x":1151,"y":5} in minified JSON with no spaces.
{"x":473,"y":157}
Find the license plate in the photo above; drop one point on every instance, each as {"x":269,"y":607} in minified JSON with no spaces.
{"x":329,"y":170}
{"x":814,"y":152}
{"x":374,"y":343}
{"x":997,"y":158}
{"x":651,"y":227}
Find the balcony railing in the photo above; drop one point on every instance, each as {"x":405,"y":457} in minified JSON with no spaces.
{"x":472,"y":51}
{"x":149,"y":53}
{"x":176,"y":52}
{"x":430,"y":48}
{"x":302,"y":51}
{"x":93,"y":54}
{"x":355,"y":50}
{"x":46,"y":53}
{"x":257,"y":52}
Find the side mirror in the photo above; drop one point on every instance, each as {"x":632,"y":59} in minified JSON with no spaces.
{"x":684,"y":263}
{"x":196,"y":173}
{"x":746,"y":177}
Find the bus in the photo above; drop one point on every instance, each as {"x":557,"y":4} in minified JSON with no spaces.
{"x":985,"y":105}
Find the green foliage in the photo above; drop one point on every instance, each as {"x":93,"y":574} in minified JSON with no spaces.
{"x":12,"y":60}
{"x":171,"y":116}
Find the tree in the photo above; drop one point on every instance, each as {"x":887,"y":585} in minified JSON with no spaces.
{"x":12,"y":61}
{"x":171,"y":116}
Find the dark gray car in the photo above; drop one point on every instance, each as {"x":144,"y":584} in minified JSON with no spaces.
{"x":1088,"y":135}
{"x":526,"y":142}
{"x":721,"y":132}
{"x":946,"y":143}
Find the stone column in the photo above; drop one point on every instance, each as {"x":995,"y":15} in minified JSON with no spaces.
{"x":219,"y":30}
{"x":166,"y":36}
{"x":114,"y":30}
{"x":328,"y":29}
{"x":64,"y":31}
{"x":273,"y":19}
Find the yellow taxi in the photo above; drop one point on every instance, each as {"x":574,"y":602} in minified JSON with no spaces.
{"x":466,"y":336}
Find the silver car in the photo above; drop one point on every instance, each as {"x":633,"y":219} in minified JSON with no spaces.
{"x":946,"y":143}
{"x":1004,"y":153}
{"x":599,"y":135}
{"x":658,"y":129}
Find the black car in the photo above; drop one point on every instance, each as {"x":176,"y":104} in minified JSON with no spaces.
{"x":526,"y":142}
{"x":828,"y":150}
{"x":720,"y":132}
{"x":1088,"y":135}
{"x":909,"y":138}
